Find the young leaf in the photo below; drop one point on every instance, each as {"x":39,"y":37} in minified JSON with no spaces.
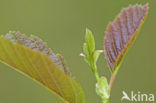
{"x":96,"y":55}
{"x":90,"y":41}
{"x":102,"y":88}
{"x":121,"y":33}
{"x":32,"y":57}
{"x":85,"y":50}
{"x":89,"y":53}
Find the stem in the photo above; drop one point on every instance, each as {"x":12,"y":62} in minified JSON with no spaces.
{"x":94,"y":70}
{"x":112,"y":81}
{"x":96,"y":73}
{"x":97,"y":77}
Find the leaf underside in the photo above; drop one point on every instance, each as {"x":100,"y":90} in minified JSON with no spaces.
{"x":121,"y":33}
{"x":42,"y":69}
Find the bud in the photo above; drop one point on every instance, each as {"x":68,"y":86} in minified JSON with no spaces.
{"x":102,"y":88}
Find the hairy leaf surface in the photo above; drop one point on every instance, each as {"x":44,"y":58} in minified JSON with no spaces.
{"x":121,"y":33}
{"x":42,"y":67}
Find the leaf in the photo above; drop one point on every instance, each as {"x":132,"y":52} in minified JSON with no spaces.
{"x":96,"y":55}
{"x":121,"y":33}
{"x":90,"y":41}
{"x":102,"y":88}
{"x":85,"y":50}
{"x":32,"y":57}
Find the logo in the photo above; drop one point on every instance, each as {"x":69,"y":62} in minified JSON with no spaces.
{"x":138,"y":96}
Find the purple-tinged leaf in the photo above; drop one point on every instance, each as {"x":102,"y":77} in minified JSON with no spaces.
{"x":121,"y":33}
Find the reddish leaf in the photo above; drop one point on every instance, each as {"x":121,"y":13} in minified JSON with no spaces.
{"x":121,"y":33}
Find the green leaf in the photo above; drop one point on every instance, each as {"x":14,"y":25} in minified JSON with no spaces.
{"x":122,"y":32}
{"x":85,"y":50}
{"x":96,"y":55}
{"x":102,"y":88}
{"x":32,"y":57}
{"x":90,"y":41}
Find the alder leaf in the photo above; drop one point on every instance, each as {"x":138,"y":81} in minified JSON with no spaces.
{"x":32,"y":57}
{"x":90,"y":41}
{"x":121,"y":33}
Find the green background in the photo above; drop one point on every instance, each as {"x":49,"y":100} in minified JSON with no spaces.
{"x":62,"y":24}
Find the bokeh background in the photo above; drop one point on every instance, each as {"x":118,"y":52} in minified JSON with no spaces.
{"x":62,"y":24}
